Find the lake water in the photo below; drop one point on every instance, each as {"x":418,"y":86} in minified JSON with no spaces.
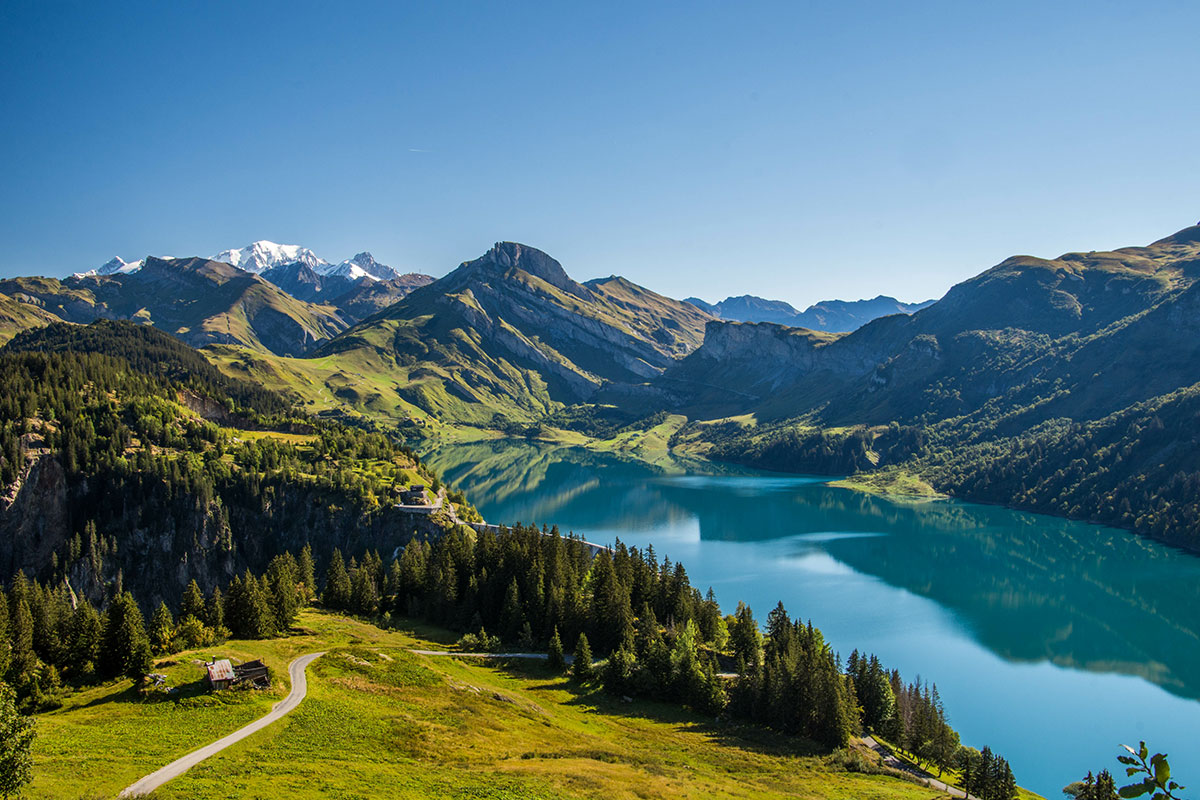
{"x":1052,"y":641}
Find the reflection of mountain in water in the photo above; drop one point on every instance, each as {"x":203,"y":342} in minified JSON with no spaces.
{"x":1029,"y":587}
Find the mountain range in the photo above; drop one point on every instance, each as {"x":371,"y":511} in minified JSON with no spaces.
{"x":1068,"y":384}
{"x":828,"y":315}
{"x":280,"y":299}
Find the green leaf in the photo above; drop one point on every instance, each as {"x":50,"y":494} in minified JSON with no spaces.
{"x":1162,"y":770}
{"x":1127,"y":759}
{"x":1143,"y":751}
{"x":1133,"y":790}
{"x":1131,"y":771}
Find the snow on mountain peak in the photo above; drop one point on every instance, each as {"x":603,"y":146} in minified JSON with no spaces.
{"x":363,"y":265}
{"x":116,"y":265}
{"x":262,"y":255}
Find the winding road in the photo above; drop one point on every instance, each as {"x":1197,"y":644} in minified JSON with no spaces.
{"x":179,"y":766}
{"x":890,"y":760}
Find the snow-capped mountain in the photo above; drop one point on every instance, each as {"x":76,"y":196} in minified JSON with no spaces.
{"x":262,"y":255}
{"x":115,"y":266}
{"x":362,"y":265}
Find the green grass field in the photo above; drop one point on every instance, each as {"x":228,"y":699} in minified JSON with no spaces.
{"x":380,"y":721}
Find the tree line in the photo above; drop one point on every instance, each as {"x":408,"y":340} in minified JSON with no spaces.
{"x":51,"y":637}
{"x":662,"y":639}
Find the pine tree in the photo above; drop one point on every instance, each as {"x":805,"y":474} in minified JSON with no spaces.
{"x":284,"y":593}
{"x":126,"y":647}
{"x":85,"y":635}
{"x":581,"y":667}
{"x":5,"y":642}
{"x":554,"y":653}
{"x":16,"y":744}
{"x":364,"y":598}
{"x":162,"y":630}
{"x":337,"y":583}
{"x":512,"y":617}
{"x":23,"y":660}
{"x":307,"y":574}
{"x":192,"y":604}
{"x":214,"y":613}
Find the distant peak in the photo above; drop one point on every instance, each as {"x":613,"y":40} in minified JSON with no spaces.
{"x":264,"y":254}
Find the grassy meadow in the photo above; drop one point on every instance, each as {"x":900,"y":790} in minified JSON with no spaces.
{"x":380,"y":721}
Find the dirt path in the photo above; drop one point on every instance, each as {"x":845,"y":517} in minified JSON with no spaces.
{"x":179,"y":766}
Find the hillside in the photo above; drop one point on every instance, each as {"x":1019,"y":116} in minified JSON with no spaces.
{"x":1039,"y":383}
{"x":511,"y":336}
{"x":424,"y":727}
{"x":124,"y":455}
{"x":16,"y":316}
{"x":200,"y":301}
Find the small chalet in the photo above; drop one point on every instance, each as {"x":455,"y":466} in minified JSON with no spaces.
{"x":220,"y":674}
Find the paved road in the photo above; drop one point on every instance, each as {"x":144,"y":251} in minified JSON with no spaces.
{"x":896,"y":763}
{"x":178,"y":767}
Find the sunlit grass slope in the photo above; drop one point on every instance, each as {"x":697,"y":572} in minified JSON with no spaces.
{"x":380,"y":721}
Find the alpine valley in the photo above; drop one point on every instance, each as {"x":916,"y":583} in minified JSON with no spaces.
{"x":235,"y":439}
{"x":1056,"y":385}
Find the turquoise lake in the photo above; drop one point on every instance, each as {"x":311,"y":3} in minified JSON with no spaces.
{"x":1052,"y":641}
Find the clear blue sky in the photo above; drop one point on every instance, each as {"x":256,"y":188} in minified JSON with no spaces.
{"x":796,"y":150}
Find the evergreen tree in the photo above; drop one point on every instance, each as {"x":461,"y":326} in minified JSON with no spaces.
{"x":5,"y":640}
{"x":284,"y":591}
{"x":307,"y":574}
{"x":581,"y":667}
{"x":192,"y":604}
{"x":16,"y":745}
{"x":23,"y":660}
{"x":337,"y":583}
{"x":554,"y":653}
{"x":214,"y":612}
{"x":512,"y":617}
{"x":364,"y":597}
{"x":85,"y":635}
{"x":162,"y":630}
{"x":126,"y":647}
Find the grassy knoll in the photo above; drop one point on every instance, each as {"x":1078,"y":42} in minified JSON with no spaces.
{"x":380,"y":721}
{"x":892,"y":482}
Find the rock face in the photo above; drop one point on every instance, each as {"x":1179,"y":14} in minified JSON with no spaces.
{"x":511,"y":333}
{"x":165,"y":542}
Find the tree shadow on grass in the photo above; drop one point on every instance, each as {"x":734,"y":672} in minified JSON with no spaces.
{"x":592,"y":697}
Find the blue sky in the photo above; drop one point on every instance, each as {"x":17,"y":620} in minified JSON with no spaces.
{"x":799,"y":151}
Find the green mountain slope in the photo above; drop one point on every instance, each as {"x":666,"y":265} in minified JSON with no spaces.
{"x":200,"y":301}
{"x":16,"y":316}
{"x":511,"y":336}
{"x":1065,"y":385}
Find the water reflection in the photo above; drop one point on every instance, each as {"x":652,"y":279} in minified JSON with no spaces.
{"x":1029,"y":588}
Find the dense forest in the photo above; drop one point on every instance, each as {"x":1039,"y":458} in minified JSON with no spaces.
{"x":125,"y":457}
{"x":1138,"y":468}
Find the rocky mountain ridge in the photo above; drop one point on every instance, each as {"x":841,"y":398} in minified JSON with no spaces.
{"x":827,"y":315}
